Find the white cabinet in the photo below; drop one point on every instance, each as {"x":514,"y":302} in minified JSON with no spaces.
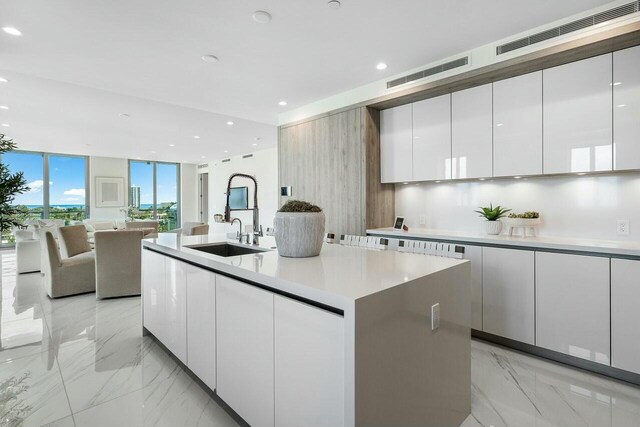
{"x":245,"y":373}
{"x":572,"y":305}
{"x":432,"y":139}
{"x":509,"y":293}
{"x":396,"y":144}
{"x":625,"y":315}
{"x":471,"y":132}
{"x":626,"y":108}
{"x":201,"y":324}
{"x":517,"y":125}
{"x":174,"y":323}
{"x":153,"y":279}
{"x":309,"y":365}
{"x":577,"y":116}
{"x":474,"y":255}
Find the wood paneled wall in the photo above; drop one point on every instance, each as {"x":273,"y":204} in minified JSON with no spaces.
{"x":334,"y":162}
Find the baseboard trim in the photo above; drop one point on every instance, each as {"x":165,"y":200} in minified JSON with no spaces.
{"x":564,"y":359}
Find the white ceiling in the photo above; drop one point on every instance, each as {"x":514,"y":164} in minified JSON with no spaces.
{"x":80,"y":63}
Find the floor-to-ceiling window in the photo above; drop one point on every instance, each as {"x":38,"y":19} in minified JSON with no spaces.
{"x":154,"y":192}
{"x":57,"y":186}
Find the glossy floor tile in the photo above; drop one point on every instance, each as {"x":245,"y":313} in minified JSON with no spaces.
{"x":81,"y":362}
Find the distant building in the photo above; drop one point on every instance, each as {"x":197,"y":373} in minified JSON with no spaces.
{"x":135,"y":197}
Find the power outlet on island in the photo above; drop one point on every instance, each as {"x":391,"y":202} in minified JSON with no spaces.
{"x":623,"y":227}
{"x":435,"y":316}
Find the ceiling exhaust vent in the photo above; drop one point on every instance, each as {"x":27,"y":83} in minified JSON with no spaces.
{"x":460,"y":62}
{"x":247,"y":156}
{"x":570,"y":27}
{"x":203,"y":165}
{"x":226,"y":160}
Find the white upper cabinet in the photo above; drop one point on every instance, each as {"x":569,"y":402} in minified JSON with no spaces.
{"x":471,"y":132}
{"x":517,"y":125}
{"x":572,"y":305}
{"x":577,"y":116}
{"x":396,"y":144}
{"x":626,"y":108}
{"x":625,"y":314}
{"x":432,"y":139}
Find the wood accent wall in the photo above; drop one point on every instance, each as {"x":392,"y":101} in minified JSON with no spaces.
{"x":334,"y":162}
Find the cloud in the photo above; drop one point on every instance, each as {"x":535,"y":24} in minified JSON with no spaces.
{"x":35,"y":186}
{"x":74,"y":192}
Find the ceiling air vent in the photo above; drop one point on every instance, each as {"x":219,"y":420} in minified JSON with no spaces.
{"x":460,"y":62}
{"x":226,"y":160}
{"x":247,"y":156}
{"x":202,"y":166}
{"x":570,"y":27}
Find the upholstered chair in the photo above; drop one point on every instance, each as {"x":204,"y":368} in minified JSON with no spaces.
{"x":71,"y":276}
{"x":200,"y":230}
{"x":74,"y":240}
{"x":133,"y":225}
{"x":118,"y":263}
{"x":190,"y":228}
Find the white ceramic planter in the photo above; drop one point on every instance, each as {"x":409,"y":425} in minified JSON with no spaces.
{"x":493,"y":227}
{"x":299,"y":234}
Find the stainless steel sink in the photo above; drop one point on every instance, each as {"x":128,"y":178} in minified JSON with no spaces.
{"x":226,"y":249}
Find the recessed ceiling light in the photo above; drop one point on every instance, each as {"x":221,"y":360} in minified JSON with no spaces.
{"x":3,"y":107}
{"x":204,"y":157}
{"x":261,"y":16}
{"x":615,"y":84}
{"x":209,"y":58}
{"x":172,"y":145}
{"x":499,"y":124}
{"x":621,"y":105}
{"x":3,"y":80}
{"x":6,"y":125}
{"x":282,"y":103}
{"x":226,"y":151}
{"x":381,"y":66}
{"x":230,"y":123}
{"x":11,"y":30}
{"x":255,"y":145}
{"x":153,"y":152}
{"x":125,"y":115}
{"x":196,"y":137}
{"x":334,"y":4}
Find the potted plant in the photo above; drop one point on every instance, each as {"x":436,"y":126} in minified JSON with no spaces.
{"x":492,"y":215}
{"x":527,"y":221}
{"x":299,"y":229}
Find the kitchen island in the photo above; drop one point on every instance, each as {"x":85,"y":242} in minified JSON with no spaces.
{"x":343,"y":339}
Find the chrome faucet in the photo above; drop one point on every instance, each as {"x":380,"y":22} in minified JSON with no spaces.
{"x":240,"y":235}
{"x":257,"y":229}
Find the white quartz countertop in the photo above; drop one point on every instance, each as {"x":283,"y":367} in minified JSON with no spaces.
{"x":338,"y":277}
{"x":612,"y":247}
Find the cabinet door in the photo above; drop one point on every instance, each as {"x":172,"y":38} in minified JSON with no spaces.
{"x":625,"y":315}
{"x":508,"y":293}
{"x":201,"y":324}
{"x":471,"y":132}
{"x":577,"y":116}
{"x":572,"y":305}
{"x":153,"y":278}
{"x":309,"y":365}
{"x":396,"y":144}
{"x":517,"y":126}
{"x":432,"y":139}
{"x":244,"y":318}
{"x":626,"y":108}
{"x":175,"y":308}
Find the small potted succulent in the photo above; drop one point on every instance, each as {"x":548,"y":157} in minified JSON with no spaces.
{"x":527,"y":221}
{"x":492,"y":215}
{"x":299,"y":229}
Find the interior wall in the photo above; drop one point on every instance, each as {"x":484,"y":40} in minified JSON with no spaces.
{"x":581,"y":206}
{"x":264,"y":166}
{"x":107,"y":167}
{"x":188,"y":192}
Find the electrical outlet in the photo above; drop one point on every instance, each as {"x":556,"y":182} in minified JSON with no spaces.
{"x":435,"y":316}
{"x":623,"y":227}
{"x":422,"y":219}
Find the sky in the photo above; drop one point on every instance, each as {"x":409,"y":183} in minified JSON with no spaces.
{"x":67,"y":179}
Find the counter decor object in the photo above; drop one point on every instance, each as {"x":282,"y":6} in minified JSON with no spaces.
{"x":299,"y":229}
{"x":528,"y":222}
{"x":492,"y":225}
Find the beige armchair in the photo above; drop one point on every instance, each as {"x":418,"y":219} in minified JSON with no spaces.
{"x":192,"y":229}
{"x":71,"y":276}
{"x":118,"y":263}
{"x":134,"y":225}
{"x":74,"y":240}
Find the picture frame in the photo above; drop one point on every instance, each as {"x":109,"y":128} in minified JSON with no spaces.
{"x":398,"y":223}
{"x":109,"y":192}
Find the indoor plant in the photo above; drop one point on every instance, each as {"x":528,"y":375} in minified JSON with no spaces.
{"x":299,"y":229}
{"x":527,"y":221}
{"x":492,"y":216}
{"x":11,"y":184}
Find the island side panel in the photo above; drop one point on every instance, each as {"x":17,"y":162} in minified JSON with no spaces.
{"x":405,"y":373}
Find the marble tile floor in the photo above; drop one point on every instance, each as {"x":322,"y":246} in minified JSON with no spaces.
{"x":77,"y":361}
